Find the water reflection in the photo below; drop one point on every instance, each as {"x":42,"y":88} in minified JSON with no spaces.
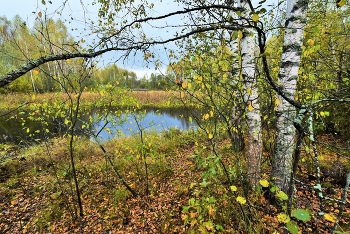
{"x":153,"y":120}
{"x":12,"y":129}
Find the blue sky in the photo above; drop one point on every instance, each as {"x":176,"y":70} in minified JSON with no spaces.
{"x":28,"y":10}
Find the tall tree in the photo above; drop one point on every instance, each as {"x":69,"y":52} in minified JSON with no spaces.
{"x":248,"y":50}
{"x":287,"y":81}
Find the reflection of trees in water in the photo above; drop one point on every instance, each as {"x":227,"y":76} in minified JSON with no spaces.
{"x":12,"y":130}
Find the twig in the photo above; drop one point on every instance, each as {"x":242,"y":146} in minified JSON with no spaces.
{"x":343,"y":202}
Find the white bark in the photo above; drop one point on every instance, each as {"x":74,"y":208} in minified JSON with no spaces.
{"x":288,"y":76}
{"x":248,"y":48}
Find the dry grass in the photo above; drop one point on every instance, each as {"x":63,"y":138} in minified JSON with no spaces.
{"x":146,"y":98}
{"x":158,"y":98}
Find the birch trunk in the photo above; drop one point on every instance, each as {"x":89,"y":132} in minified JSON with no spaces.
{"x":287,"y":78}
{"x":248,"y":48}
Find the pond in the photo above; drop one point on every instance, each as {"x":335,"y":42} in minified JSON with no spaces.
{"x":153,"y":120}
{"x":13,"y":130}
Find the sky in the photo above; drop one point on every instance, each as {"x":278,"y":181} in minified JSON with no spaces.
{"x":28,"y":10}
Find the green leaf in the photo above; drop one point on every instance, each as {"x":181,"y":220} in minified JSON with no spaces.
{"x":282,"y":196}
{"x":204,"y":183}
{"x":316,"y":29}
{"x":43,"y":2}
{"x":185,"y":208}
{"x":212,"y":200}
{"x":234,"y":35}
{"x":292,"y":227}
{"x":219,"y":227}
{"x":301,"y":214}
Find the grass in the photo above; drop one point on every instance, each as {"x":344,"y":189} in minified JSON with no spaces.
{"x":188,"y":191}
{"x":165,"y":99}
{"x":36,"y":193}
{"x":157,"y":98}
{"x":44,"y":174}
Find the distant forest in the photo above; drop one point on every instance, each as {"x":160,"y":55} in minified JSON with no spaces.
{"x":19,"y":43}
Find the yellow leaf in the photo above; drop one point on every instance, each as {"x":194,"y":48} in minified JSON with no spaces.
{"x":206,"y":116}
{"x":310,"y":42}
{"x":255,"y":17}
{"x":40,"y":14}
{"x":182,"y":95}
{"x":250,"y":107}
{"x":265,"y":117}
{"x":330,"y":217}
{"x":233,"y":188}
{"x":211,"y":113}
{"x":184,"y":216}
{"x":54,"y":77}
{"x":35,"y":72}
{"x":278,"y":102}
{"x":83,"y":126}
{"x":33,"y":97}
{"x":193,"y":222}
{"x":283,"y":218}
{"x":211,"y":211}
{"x":340,"y":3}
{"x":28,"y":130}
{"x":264,"y":183}
{"x":240,"y":34}
{"x":82,"y":40}
{"x":249,"y":91}
{"x":210,"y":136}
{"x":241,"y":200}
{"x":189,"y":85}
{"x":184,"y":84}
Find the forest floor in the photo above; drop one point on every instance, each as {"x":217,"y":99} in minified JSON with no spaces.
{"x":37,"y":192}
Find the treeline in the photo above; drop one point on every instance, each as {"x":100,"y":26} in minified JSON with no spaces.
{"x":20,"y":43}
{"x":114,"y":75}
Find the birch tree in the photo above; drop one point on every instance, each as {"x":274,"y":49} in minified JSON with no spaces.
{"x":247,"y":50}
{"x":287,"y":81}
